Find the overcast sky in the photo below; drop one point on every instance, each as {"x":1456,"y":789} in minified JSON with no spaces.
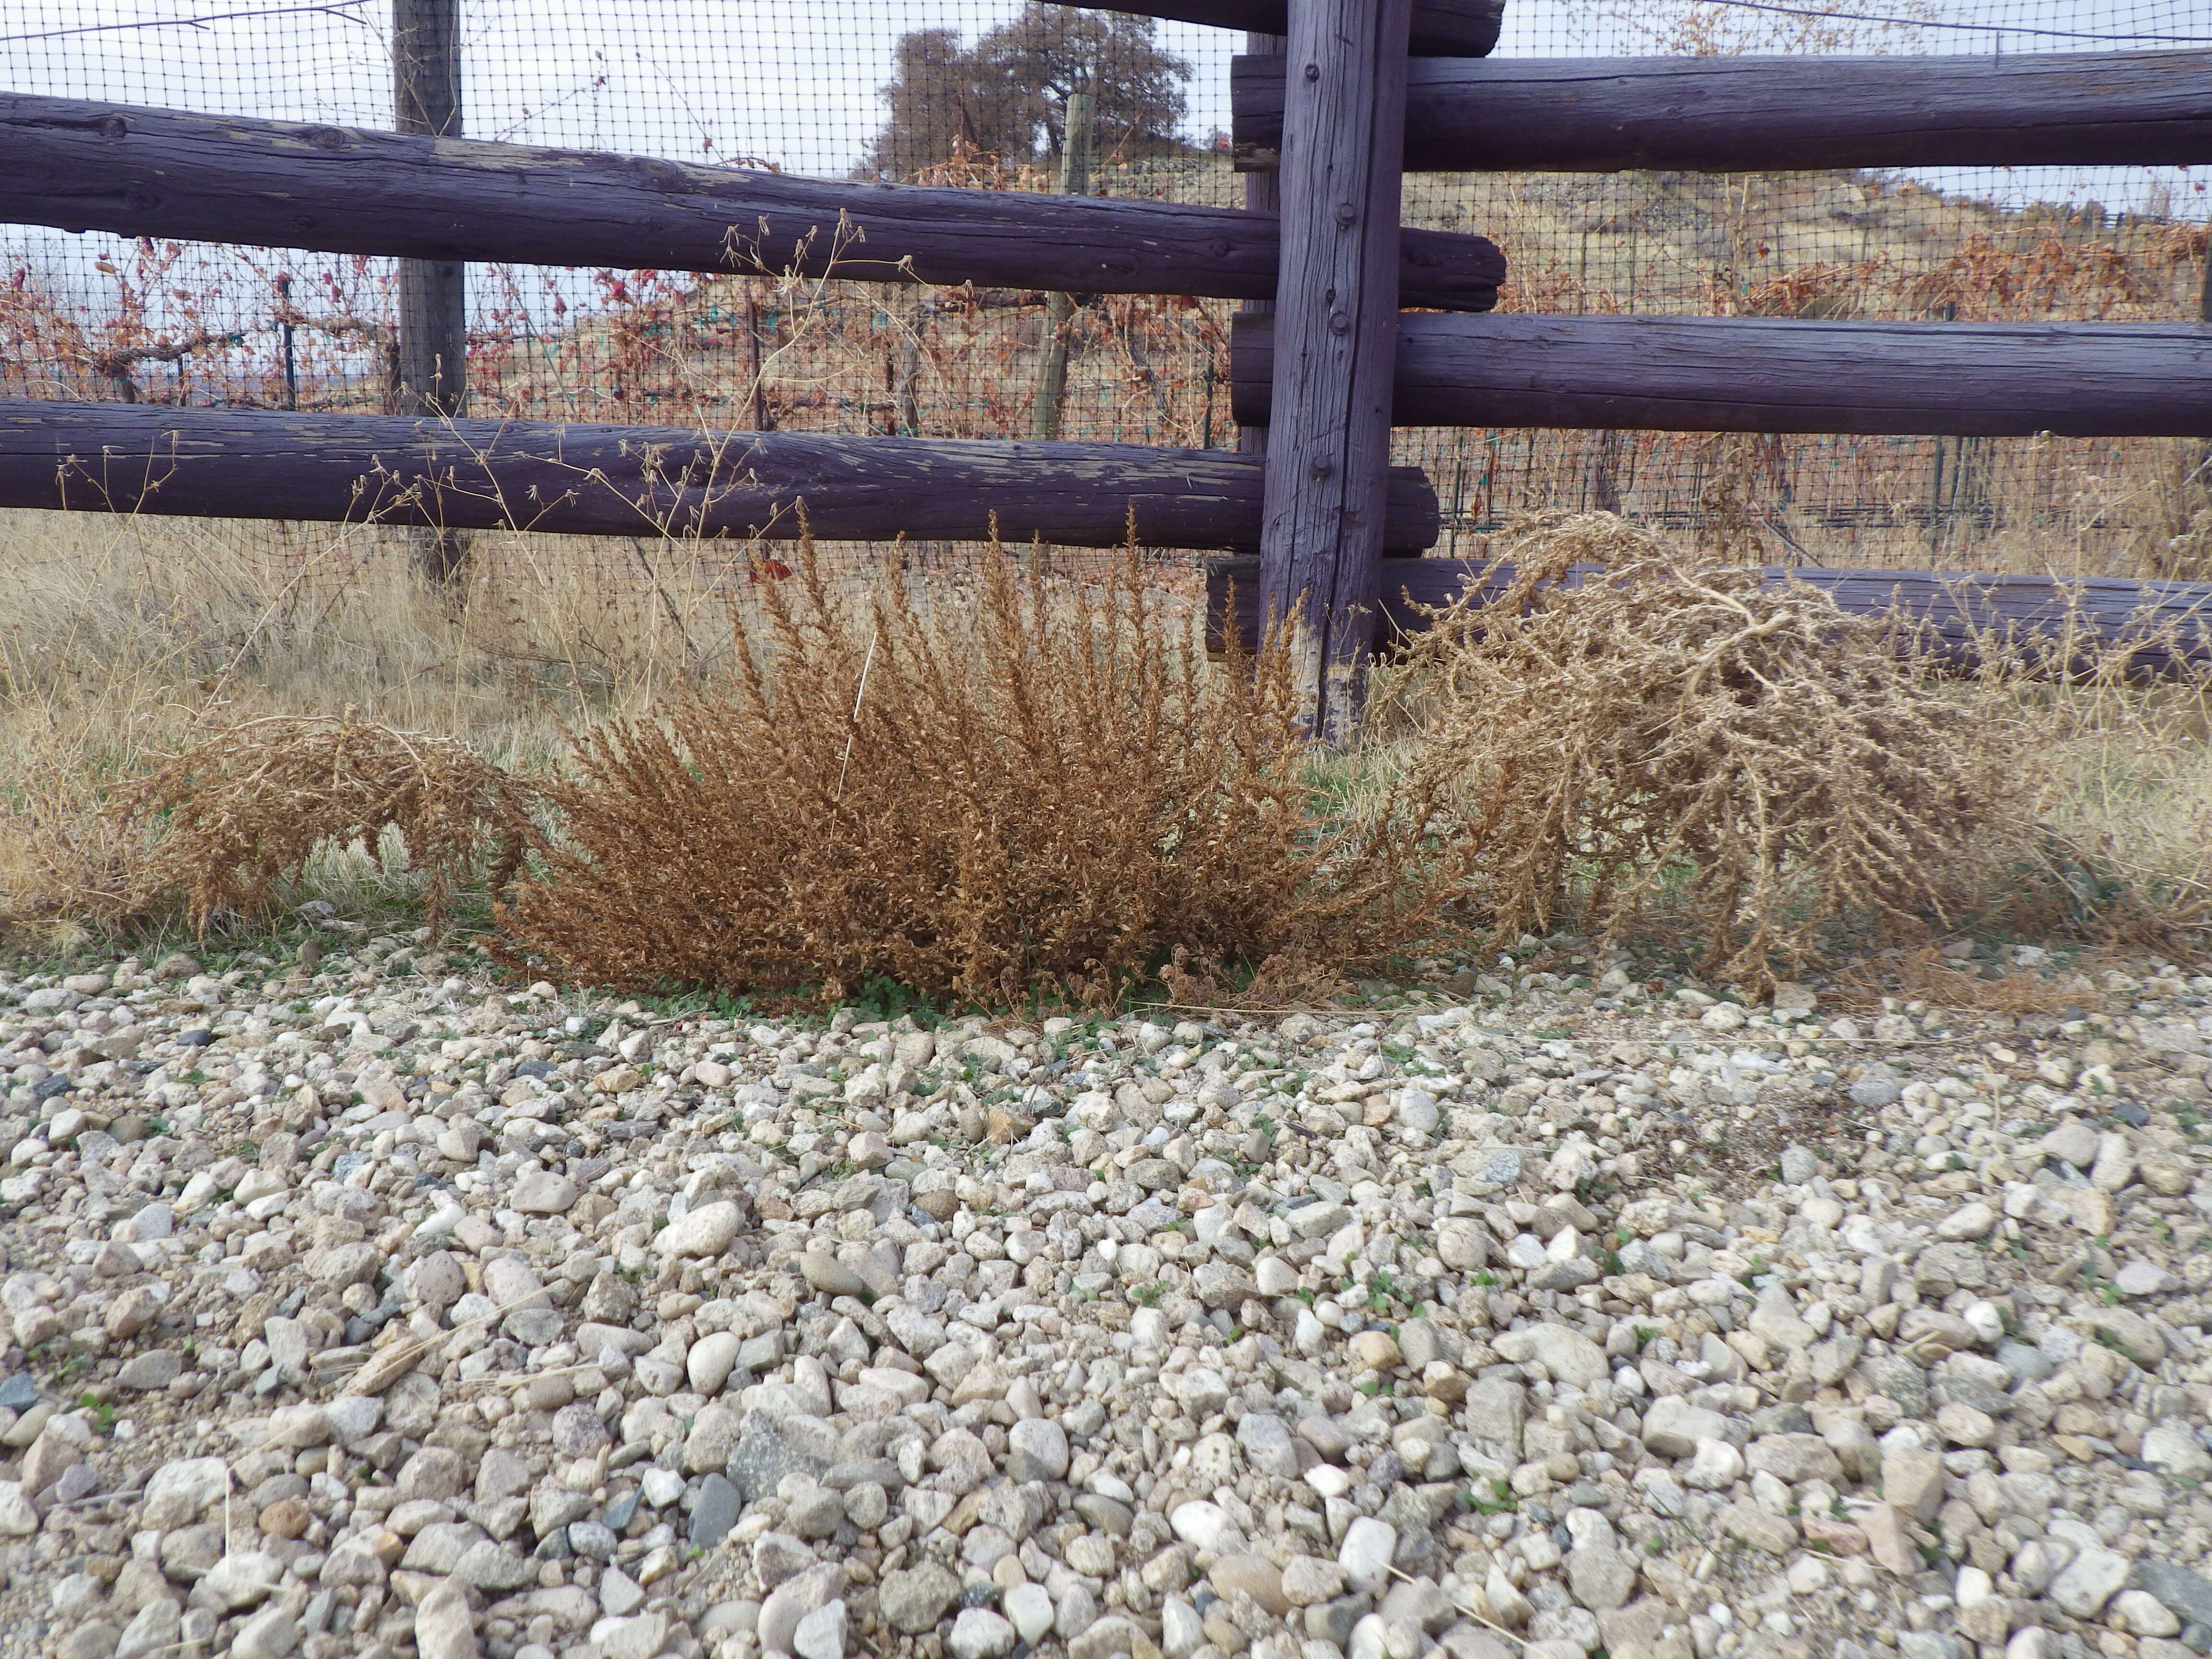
{"x":794,"y":80}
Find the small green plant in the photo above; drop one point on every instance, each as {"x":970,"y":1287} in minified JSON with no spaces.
{"x":1498,"y":1500}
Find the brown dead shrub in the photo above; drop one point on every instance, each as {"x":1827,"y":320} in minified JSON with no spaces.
{"x":1675,"y":745}
{"x":1027,"y":783}
{"x":70,"y":868}
{"x":239,"y":813}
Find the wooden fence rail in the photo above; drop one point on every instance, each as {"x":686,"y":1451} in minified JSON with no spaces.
{"x":1771,"y":114}
{"x":1766,"y":374}
{"x":2169,"y":624}
{"x":140,"y":172}
{"x":593,"y":480}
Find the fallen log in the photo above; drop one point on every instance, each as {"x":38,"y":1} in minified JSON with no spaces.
{"x":1768,"y":374}
{"x":1441,"y":28}
{"x":2168,"y":625}
{"x":1773,"y":114}
{"x":596,"y":480}
{"x":131,"y":171}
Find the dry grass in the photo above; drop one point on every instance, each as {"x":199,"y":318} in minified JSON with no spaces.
{"x":1673,"y":741}
{"x":1042,"y":784}
{"x":1024,"y":785}
{"x":241,"y":812}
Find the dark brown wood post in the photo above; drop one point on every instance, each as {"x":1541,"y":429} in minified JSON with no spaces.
{"x":1060,"y":308}
{"x":426,"y":99}
{"x":1336,"y":326}
{"x":1261,"y":195}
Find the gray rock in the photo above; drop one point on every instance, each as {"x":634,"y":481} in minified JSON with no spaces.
{"x":269,"y":1634}
{"x":1267,"y":1445}
{"x":979,"y":1633}
{"x":913,"y":1599}
{"x":1500,"y":1166}
{"x":715,"y":1512}
{"x":821,"y":1633}
{"x":489,"y":1567}
{"x":622,"y":1594}
{"x":814,"y":1513}
{"x":832,"y":1277}
{"x":152,"y":1629}
{"x":180,"y":1492}
{"x":771,"y":1448}
{"x":1037,"y":1449}
{"x":578,"y":1431}
{"x":2024,"y":1363}
{"x":1673,"y":1427}
{"x":641,"y":1635}
{"x":540,"y":1192}
{"x":1900,"y":1379}
{"x":792,"y":1600}
{"x":2090,"y":1580}
{"x":1876,"y":1089}
{"x":1969,"y":1379}
{"x":2186,"y":1595}
{"x":593,"y":1539}
{"x":1107,"y":1637}
{"x":154,"y":1368}
{"x":444,"y":1628}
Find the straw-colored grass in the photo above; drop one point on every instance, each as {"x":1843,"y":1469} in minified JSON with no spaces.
{"x":1033,"y":797}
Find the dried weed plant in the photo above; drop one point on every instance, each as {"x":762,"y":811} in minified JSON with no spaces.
{"x":1022,"y":785}
{"x":239,"y":814}
{"x":1673,"y":744}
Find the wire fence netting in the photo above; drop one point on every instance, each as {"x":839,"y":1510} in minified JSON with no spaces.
{"x":975,"y":93}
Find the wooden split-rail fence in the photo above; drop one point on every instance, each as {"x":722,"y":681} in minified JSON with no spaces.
{"x":1353,"y":323}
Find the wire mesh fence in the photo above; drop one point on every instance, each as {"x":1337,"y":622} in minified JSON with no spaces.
{"x":962,"y":93}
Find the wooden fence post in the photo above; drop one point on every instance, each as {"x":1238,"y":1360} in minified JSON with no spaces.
{"x":1060,"y":308}
{"x":1261,"y":195}
{"x":1335,"y":324}
{"x":426,"y":99}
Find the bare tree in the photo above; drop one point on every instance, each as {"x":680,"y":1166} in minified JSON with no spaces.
{"x":1007,"y":95}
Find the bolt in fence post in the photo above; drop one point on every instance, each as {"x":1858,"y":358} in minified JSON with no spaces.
{"x":1335,"y":333}
{"x":1060,"y":308}
{"x":426,"y":98}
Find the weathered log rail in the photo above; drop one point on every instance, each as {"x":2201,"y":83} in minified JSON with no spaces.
{"x":595,"y":480}
{"x":1773,"y":114}
{"x":1767,"y":375}
{"x":134,"y":171}
{"x":2165,"y":626}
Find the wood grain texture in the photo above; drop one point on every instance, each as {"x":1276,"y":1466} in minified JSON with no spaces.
{"x":140,"y":172}
{"x":1736,"y":114}
{"x":1329,"y":425}
{"x":1765,"y":374}
{"x":1445,"y":29}
{"x":426,"y":100}
{"x":2169,"y":622}
{"x":1262,"y":195}
{"x":592,"y":480}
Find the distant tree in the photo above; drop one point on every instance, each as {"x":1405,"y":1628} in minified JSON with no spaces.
{"x":1007,"y":95}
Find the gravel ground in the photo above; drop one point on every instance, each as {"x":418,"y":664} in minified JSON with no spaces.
{"x":377,"y":1310}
